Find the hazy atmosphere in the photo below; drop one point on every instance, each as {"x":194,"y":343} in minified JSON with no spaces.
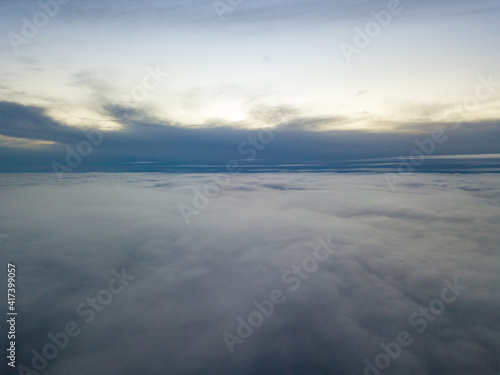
{"x":250,"y":187}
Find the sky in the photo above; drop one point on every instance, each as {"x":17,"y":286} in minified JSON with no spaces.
{"x":186,"y":286}
{"x":185,"y":82}
{"x":252,"y":187}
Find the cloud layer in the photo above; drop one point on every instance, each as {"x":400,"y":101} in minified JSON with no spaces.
{"x":392,"y":253}
{"x":145,"y":143}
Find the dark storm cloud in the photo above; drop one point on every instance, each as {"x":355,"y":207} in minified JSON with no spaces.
{"x":31,"y":122}
{"x":150,"y":144}
{"x":392,"y":252}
